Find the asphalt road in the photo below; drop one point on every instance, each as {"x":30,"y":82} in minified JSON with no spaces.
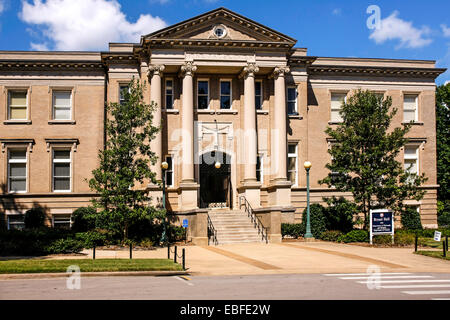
{"x":391,"y":286}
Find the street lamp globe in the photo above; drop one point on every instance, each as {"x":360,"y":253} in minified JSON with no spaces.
{"x":164,"y":165}
{"x":218,"y":165}
{"x":307,"y":165}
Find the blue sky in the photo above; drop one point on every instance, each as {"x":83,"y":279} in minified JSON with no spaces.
{"x":407,"y":30}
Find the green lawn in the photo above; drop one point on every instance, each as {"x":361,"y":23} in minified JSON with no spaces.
{"x":430,"y":242}
{"x":435,"y":254}
{"x":87,"y":265}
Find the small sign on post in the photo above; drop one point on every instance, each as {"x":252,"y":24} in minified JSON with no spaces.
{"x":185,"y":226}
{"x":437,"y":236}
{"x":381,"y":222}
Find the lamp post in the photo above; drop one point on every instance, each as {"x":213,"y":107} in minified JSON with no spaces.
{"x":308,"y":234}
{"x":164,"y":167}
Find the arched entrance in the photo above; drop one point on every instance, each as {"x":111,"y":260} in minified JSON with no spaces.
{"x":215,"y":183}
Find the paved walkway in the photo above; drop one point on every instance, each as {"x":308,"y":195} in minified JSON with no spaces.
{"x":287,"y":258}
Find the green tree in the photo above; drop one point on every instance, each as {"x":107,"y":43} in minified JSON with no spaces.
{"x":443,"y":152}
{"x":364,"y":156}
{"x":125,"y":163}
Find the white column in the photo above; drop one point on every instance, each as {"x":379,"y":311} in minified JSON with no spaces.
{"x":155,"y":74}
{"x":279,"y":147}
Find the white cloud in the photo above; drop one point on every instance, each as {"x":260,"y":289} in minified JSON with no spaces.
{"x":2,"y":5}
{"x":394,"y":28}
{"x":445,"y":30}
{"x":337,"y":12}
{"x":39,"y":46}
{"x":85,"y":24}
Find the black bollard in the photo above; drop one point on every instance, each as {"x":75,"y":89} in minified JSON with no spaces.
{"x":168,"y":251}
{"x":415,"y":243}
{"x":175,"y":255}
{"x":131,"y":251}
{"x":444,"y":249}
{"x":93,"y":253}
{"x":184,"y":259}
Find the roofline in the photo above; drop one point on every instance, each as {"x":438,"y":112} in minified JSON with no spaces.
{"x":375,"y":59}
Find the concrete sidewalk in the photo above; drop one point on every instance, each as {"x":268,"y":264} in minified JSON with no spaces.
{"x":286,"y":258}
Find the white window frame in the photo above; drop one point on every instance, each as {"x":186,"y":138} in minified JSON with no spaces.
{"x":121,"y":86}
{"x":54,"y":106}
{"x":295,"y":101}
{"x":8,"y":223}
{"x":294,"y":155}
{"x":169,"y":170}
{"x":9,"y":104}
{"x":261,"y":98}
{"x":208,"y":95}
{"x":60,"y":215}
{"x":409,"y":157}
{"x":220,"y":93}
{"x":261,"y":167}
{"x":166,"y":94}
{"x":61,"y":161}
{"x":332,"y":110}
{"x":9,"y":161}
{"x":416,"y":110}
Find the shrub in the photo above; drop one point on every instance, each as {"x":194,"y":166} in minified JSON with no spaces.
{"x":332,"y":235}
{"x":146,"y":243}
{"x":34,"y":218}
{"x":65,"y":246}
{"x":318,"y":220}
{"x":404,"y":237}
{"x":382,"y":239}
{"x":84,"y":219}
{"x":354,"y":236}
{"x":175,"y":233}
{"x":294,"y":230}
{"x":339,"y":214}
{"x":91,"y":238}
{"x":410,"y":219}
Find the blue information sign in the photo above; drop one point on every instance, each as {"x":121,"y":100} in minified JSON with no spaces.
{"x":381,"y":222}
{"x":185,"y":223}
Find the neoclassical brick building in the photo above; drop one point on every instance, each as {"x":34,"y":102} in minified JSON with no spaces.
{"x":229,"y":90}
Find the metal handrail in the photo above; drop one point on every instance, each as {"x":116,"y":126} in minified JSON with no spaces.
{"x":213,"y":231}
{"x":255,"y":220}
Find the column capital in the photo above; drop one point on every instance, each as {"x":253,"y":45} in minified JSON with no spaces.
{"x":249,"y":70}
{"x":155,"y":69}
{"x":188,"y":69}
{"x":280,"y":72}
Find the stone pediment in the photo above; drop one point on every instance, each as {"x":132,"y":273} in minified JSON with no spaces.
{"x":220,"y":25}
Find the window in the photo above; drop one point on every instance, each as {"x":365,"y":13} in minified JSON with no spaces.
{"x":292,"y":100}
{"x":16,"y":222}
{"x":259,"y":169}
{"x":258,"y":95}
{"x":411,"y":159}
{"x":61,"y":170}
{"x":123,"y":90}
{"x":17,"y":170}
{"x":410,"y":107}
{"x":292,"y":164}
{"x":61,"y":221}
{"x":17,"y":105}
{"x":336,"y":104}
{"x":203,"y":94}
{"x":62,"y":102}
{"x":169,"y":172}
{"x":225,"y":94}
{"x":169,"y":94}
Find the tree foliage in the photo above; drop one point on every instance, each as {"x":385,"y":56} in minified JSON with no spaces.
{"x":364,"y":152}
{"x":443,"y":152}
{"x":125,"y":163}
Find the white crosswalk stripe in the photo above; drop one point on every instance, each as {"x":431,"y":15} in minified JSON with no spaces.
{"x":401,"y":280}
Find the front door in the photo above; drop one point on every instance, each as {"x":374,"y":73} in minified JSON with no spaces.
{"x":215,"y":183}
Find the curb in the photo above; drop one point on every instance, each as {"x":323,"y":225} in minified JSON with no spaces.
{"x":19,"y":276}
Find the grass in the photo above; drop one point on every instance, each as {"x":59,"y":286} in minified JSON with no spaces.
{"x":434,"y":254}
{"x":98,"y":265}
{"x":430,"y":242}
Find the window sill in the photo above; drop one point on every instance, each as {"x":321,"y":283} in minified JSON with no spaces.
{"x":226,"y":111}
{"x":62,"y":122}
{"x":295,"y":116}
{"x":334,"y":122}
{"x":262,"y":111}
{"x":205,"y":111}
{"x":174,"y":111}
{"x":17,"y":122}
{"x":415,"y":123}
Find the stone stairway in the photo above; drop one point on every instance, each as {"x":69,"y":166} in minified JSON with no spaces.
{"x":233,"y":226}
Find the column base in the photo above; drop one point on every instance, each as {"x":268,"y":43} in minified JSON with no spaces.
{"x":280,"y":193}
{"x":252,"y":192}
{"x":156,"y":193}
{"x":188,"y":198}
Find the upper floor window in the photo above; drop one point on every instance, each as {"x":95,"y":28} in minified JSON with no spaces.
{"x":411,"y":159}
{"x":292,"y":164}
{"x":225,"y":94}
{"x":169,"y":94}
{"x":259,"y":169}
{"x":61,"y":170}
{"x":17,"y":170}
{"x":123,"y":90}
{"x":202,"y":94}
{"x":62,"y":105}
{"x":292,"y":100}
{"x":258,"y":95}
{"x":17,"y":105}
{"x":410,"y":102}
{"x":169,"y":172}
{"x":337,"y":99}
